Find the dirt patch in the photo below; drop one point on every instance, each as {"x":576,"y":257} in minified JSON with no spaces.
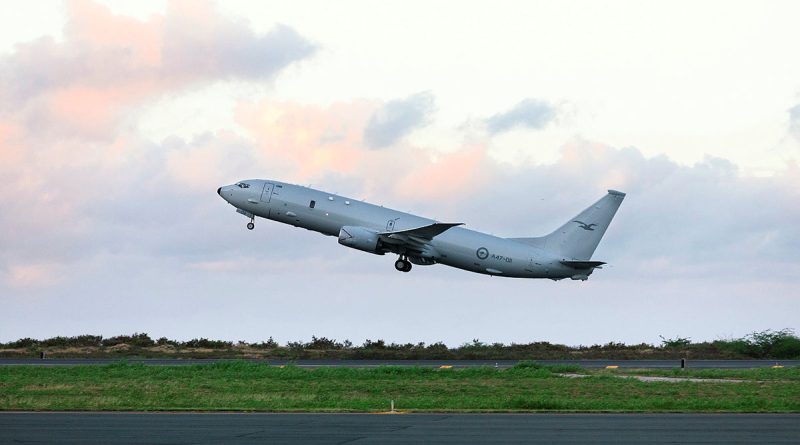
{"x":198,"y":350}
{"x":74,"y":350}
{"x":162,"y":348}
{"x":46,"y":387}
{"x":14,"y":351}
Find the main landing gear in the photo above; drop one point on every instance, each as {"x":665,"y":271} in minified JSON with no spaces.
{"x":251,"y":225}
{"x":402,"y":264}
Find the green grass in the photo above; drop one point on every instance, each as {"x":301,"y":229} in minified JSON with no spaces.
{"x":760,"y":374}
{"x":243,"y":386}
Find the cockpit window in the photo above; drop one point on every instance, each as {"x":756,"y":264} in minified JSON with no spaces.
{"x":242,"y":185}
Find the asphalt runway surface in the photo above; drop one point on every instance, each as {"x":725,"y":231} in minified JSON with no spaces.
{"x":651,"y":364}
{"x":242,"y":428}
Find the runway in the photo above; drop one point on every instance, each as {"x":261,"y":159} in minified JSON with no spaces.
{"x":237,"y":428}
{"x":651,"y":364}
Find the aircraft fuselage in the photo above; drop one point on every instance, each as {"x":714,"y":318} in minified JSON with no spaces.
{"x":457,"y":247}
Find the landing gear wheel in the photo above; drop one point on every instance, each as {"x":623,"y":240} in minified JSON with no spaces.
{"x":251,"y":226}
{"x":402,"y":265}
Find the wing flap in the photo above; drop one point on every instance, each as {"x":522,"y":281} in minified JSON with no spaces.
{"x":426,"y":233}
{"x":583,"y":264}
{"x":417,"y":239}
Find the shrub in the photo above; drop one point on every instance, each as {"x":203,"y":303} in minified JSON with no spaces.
{"x":775,"y":344}
{"x":206,"y":343}
{"x":163,"y":341}
{"x":675,"y":343}
{"x":23,"y":343}
{"x":269,"y":344}
{"x":140,"y":340}
{"x":323,"y":343}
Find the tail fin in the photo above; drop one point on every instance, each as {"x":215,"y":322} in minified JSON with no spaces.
{"x":578,"y":238}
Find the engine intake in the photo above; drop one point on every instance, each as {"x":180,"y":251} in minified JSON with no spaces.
{"x":360,"y":238}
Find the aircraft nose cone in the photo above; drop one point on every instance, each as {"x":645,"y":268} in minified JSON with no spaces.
{"x":219,"y":191}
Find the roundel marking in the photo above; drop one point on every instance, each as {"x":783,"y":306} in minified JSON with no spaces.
{"x":482,"y":253}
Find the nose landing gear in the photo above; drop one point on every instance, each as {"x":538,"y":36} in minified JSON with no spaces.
{"x":251,"y":225}
{"x":402,"y":264}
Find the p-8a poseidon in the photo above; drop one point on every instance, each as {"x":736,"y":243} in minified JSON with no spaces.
{"x":565,"y":253}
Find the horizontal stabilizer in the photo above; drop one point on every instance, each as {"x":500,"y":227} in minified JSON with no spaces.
{"x":424,"y":232}
{"x":583,"y":264}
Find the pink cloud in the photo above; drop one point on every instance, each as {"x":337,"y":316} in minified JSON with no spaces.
{"x":451,"y":175}
{"x":208,"y":161}
{"x":304,"y":142}
{"x":109,"y":63}
{"x":11,"y":146}
{"x":33,"y":275}
{"x":68,"y":149}
{"x":94,"y":24}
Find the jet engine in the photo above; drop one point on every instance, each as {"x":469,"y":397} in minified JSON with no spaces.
{"x":360,"y":238}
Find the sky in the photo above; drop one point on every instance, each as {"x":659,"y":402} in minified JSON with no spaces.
{"x":119,"y":120}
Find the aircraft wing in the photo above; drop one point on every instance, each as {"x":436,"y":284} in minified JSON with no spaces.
{"x":425,"y":232}
{"x":416,"y":239}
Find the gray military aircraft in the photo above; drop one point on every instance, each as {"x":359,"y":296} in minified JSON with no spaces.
{"x":565,"y":253}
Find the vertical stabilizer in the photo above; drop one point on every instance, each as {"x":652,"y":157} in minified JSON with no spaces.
{"x":578,"y":238}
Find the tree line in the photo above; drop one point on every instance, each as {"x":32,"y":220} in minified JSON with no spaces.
{"x":769,"y":344}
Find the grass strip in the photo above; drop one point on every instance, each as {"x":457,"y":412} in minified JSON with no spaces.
{"x":244,"y":386}
{"x":759,"y":374}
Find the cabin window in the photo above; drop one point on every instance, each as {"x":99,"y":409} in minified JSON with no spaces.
{"x":312,"y":204}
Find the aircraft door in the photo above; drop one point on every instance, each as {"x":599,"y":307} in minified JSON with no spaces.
{"x":267,"y":193}
{"x":390,"y":225}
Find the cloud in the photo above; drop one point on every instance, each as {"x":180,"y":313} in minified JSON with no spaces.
{"x":300,"y":142}
{"x":398,"y":118}
{"x":33,"y":275}
{"x":83,"y":86}
{"x":706,"y":222}
{"x":530,"y":113}
{"x":78,"y":181}
{"x":447,"y":176}
{"x":794,"y":121}
{"x":101,"y":221}
{"x":198,"y":42}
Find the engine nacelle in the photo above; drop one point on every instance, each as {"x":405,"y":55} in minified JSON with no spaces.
{"x":360,"y":238}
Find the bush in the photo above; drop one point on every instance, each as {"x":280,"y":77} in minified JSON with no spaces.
{"x":775,"y":344}
{"x":269,"y":344}
{"x":737,"y":346}
{"x":782,"y":344}
{"x":323,"y":343}
{"x":786,"y":347}
{"x":378,"y":344}
{"x":22,"y":343}
{"x":139,"y":340}
{"x":164,"y":341}
{"x":675,"y":343}
{"x":769,"y":344}
{"x":81,"y":340}
{"x":206,"y":343}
